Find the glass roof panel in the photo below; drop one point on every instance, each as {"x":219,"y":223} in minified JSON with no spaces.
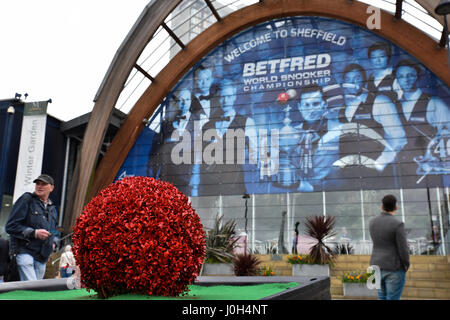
{"x":192,"y":17}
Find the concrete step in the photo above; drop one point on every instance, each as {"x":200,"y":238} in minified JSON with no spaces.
{"x":350,"y":266}
{"x":428,"y":267}
{"x":267,"y":258}
{"x":414,"y":259}
{"x":429,"y":259}
{"x":336,"y":281}
{"x":277,"y":264}
{"x":338,"y":272}
{"x":346,"y":258}
{"x":411,"y":274}
{"x":427,"y":275}
{"x":365,"y":258}
{"x":337,"y":292}
{"x":426,"y":293}
{"x":426,"y":263}
{"x":427,"y":278}
{"x":419,"y":283}
{"x":410,"y":292}
{"x":427,"y":283}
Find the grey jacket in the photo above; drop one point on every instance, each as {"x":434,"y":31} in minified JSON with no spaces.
{"x":390,"y":248}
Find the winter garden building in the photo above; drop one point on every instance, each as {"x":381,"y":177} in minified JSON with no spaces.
{"x":268,"y":112}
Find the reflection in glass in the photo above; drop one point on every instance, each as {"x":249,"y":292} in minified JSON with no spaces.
{"x":425,"y":213}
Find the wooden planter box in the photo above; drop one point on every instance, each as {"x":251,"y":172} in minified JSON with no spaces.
{"x":218,"y":269}
{"x":358,"y":290}
{"x":310,"y":270}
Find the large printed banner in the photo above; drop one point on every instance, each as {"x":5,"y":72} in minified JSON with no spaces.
{"x":300,"y":104}
{"x":31,"y":150}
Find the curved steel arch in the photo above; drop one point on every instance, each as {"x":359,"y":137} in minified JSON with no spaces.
{"x":399,"y":32}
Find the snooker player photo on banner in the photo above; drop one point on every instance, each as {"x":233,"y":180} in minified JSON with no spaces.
{"x":299,"y":104}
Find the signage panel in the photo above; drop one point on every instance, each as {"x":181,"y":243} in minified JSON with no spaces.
{"x":300,"y":104}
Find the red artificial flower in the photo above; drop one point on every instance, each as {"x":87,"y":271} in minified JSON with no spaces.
{"x":139,"y":235}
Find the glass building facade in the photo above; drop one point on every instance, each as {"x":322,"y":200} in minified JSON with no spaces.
{"x":325,"y":118}
{"x":420,"y":209}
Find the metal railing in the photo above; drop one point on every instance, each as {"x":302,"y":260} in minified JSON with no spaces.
{"x":63,"y":241}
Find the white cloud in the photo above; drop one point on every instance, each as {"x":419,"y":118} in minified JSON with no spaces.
{"x":60,"y":49}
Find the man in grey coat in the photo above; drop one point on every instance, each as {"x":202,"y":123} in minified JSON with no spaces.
{"x":390,"y":250}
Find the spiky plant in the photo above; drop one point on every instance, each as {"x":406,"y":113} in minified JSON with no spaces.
{"x":320,"y":228}
{"x":246,"y":264}
{"x":221,"y":241}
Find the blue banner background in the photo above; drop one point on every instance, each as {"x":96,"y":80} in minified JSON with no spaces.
{"x":259,"y":78}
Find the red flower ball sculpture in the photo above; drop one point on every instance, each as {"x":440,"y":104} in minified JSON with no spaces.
{"x":139,"y":235}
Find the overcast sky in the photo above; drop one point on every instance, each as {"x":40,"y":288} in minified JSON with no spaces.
{"x":61,"y":49}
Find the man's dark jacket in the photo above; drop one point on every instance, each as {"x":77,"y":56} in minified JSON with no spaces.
{"x":27,"y":215}
{"x":390,"y":248}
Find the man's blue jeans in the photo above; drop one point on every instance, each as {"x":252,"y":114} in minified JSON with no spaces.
{"x":29,"y":268}
{"x":392,"y":283}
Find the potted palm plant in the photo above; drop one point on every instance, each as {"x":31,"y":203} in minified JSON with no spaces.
{"x":220,"y":243}
{"x":320,"y":257}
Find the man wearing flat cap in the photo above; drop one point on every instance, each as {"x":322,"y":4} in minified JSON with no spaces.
{"x":31,"y":226}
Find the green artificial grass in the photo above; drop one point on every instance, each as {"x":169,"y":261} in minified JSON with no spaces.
{"x":251,"y":292}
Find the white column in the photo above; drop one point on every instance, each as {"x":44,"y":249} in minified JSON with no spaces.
{"x":324,"y":204}
{"x":253,"y":221}
{"x":402,"y":205}
{"x":220,"y":209}
{"x":362,"y":215}
{"x":441,"y":227}
{"x":288,"y":218}
{"x":293,"y":213}
{"x":220,"y":206}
